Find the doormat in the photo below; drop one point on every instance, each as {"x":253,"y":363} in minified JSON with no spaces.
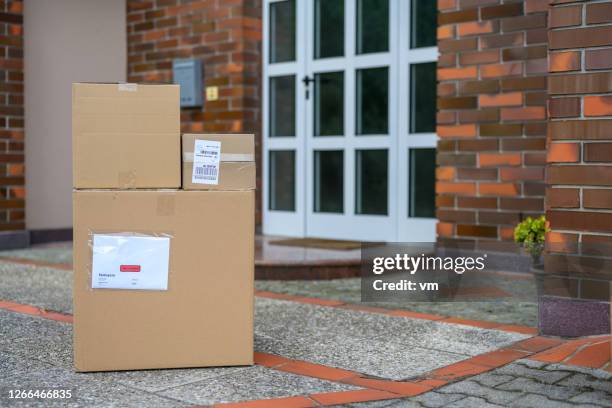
{"x":324,"y":243}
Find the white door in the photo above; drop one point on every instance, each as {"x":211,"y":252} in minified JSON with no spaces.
{"x":345,"y":155}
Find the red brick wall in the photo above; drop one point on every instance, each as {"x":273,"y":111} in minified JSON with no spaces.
{"x":12,"y":185}
{"x":491,"y":118}
{"x":226,"y":36}
{"x":579,"y":174}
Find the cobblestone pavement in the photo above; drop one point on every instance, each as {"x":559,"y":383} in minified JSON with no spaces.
{"x":524,"y":383}
{"x":310,"y":352}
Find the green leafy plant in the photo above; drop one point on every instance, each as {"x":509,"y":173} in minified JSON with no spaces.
{"x":531,"y":233}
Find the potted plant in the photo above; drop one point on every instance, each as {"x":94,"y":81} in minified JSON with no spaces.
{"x":530,"y":233}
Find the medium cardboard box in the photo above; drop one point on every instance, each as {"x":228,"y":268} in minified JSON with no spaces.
{"x":125,"y":136}
{"x":222,"y":161}
{"x":202,"y":240}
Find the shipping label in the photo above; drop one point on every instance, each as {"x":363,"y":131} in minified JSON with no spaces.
{"x":130,"y":262}
{"x":206,"y":158}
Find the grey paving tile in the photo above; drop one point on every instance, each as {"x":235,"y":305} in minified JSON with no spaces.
{"x":542,"y":376}
{"x":37,"y":338}
{"x":591,"y":372}
{"x":88,"y":390}
{"x":458,"y":338}
{"x":473,"y":389}
{"x":375,"y":357}
{"x":158,"y":380}
{"x":274,"y":315}
{"x":586,"y":381}
{"x":12,"y":366}
{"x":380,"y":358}
{"x":594,"y":397}
{"x":491,"y":379}
{"x":533,"y":386}
{"x":43,"y":287}
{"x":251,"y":384}
{"x":473,"y":402}
{"x":395,"y":403}
{"x":531,"y":363}
{"x":540,"y":401}
{"x":436,"y":399}
{"x":402,"y":347}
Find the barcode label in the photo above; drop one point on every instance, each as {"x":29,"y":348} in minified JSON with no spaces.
{"x":206,"y":172}
{"x":206,"y":157}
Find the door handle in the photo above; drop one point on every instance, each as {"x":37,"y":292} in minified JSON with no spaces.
{"x":306,"y":81}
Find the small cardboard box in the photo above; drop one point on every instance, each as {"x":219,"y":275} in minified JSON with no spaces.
{"x":194,"y":310}
{"x":125,"y":136}
{"x":222,"y":161}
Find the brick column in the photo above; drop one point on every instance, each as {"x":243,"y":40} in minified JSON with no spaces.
{"x":492,"y":119}
{"x":579,"y":174}
{"x":12,"y":184}
{"x":226,"y":36}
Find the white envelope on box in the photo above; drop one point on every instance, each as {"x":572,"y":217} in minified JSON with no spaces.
{"x":130,"y":262}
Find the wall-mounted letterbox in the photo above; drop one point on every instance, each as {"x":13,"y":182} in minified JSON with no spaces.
{"x":188,"y":74}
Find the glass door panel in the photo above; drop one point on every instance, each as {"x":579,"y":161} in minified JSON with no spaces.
{"x":329,"y":181}
{"x":282,"y":31}
{"x":329,"y":104}
{"x":329,"y":28}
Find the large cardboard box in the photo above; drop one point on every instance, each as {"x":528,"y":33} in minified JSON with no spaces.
{"x":125,"y":136}
{"x":204,"y":317}
{"x":222,"y":161}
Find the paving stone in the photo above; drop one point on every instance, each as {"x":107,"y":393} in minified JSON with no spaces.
{"x":12,"y":366}
{"x":88,"y":389}
{"x":472,"y":388}
{"x":158,"y":380}
{"x":395,"y":403}
{"x":330,"y":340}
{"x":533,"y":386}
{"x":530,"y":363}
{"x":458,"y":338}
{"x":251,"y":384}
{"x":592,"y":372}
{"x":542,"y":376}
{"x":37,"y":338}
{"x":472,"y":402}
{"x":492,"y":379}
{"x":380,"y":358}
{"x":436,"y":399}
{"x":584,"y":381}
{"x":292,"y":316}
{"x":540,"y":401}
{"x":594,"y":397}
{"x":43,"y":287}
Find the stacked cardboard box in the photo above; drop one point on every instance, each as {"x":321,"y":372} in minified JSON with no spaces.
{"x":163,"y":275}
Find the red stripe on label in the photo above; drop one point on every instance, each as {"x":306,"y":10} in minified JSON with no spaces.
{"x":129,"y":268}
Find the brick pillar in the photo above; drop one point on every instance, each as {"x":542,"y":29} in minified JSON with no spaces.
{"x":12,"y":184}
{"x":579,"y":174}
{"x":226,"y":36}
{"x":491,"y":119}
